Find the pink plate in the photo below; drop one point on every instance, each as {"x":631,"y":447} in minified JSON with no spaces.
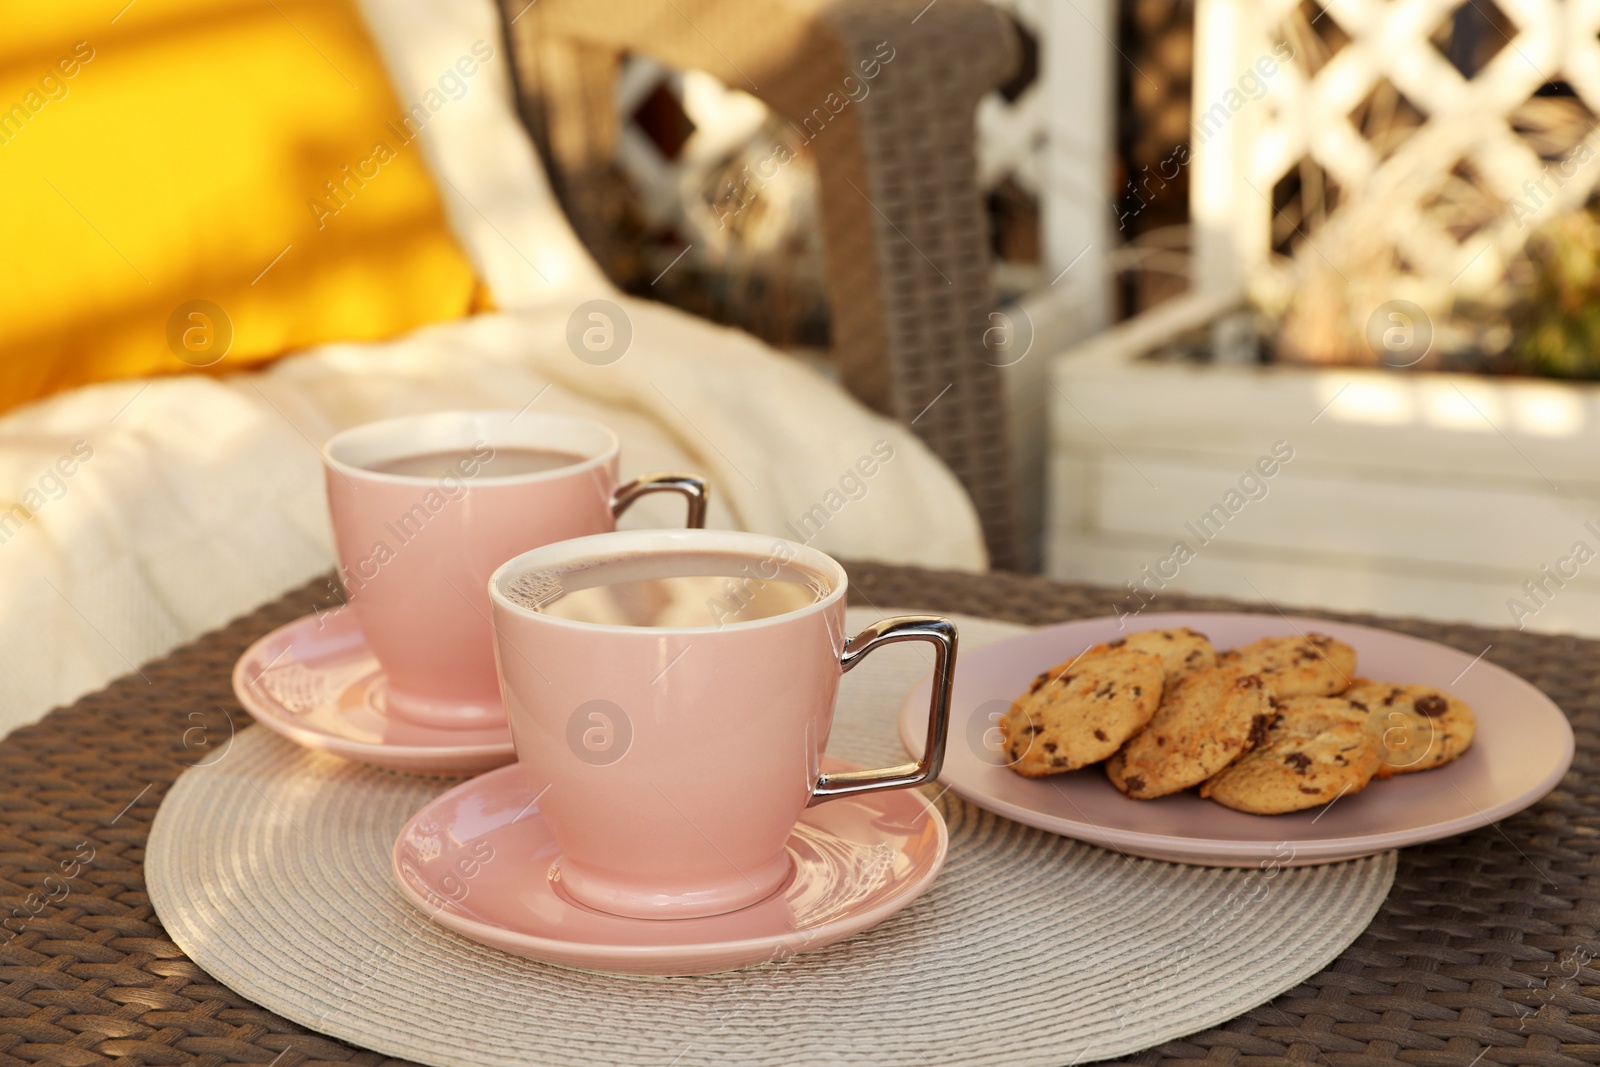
{"x":479,"y":860}
{"x":1523,"y":747}
{"x":316,"y":682}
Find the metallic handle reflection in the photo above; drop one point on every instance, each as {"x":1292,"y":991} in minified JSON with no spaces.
{"x":697,"y":492}
{"x":941,"y":633}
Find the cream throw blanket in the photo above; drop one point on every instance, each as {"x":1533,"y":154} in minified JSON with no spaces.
{"x":154,"y":511}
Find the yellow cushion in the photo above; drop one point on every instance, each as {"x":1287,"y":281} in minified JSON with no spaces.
{"x":193,"y":183}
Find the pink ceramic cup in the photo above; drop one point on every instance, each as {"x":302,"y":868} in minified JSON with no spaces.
{"x":416,"y":552}
{"x":671,"y":764}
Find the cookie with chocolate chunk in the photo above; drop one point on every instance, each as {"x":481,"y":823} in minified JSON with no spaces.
{"x":1316,"y":752}
{"x":1306,"y":665}
{"x":1081,"y":711}
{"x":1414,"y":727}
{"x":1182,"y":650}
{"x":1205,"y":722}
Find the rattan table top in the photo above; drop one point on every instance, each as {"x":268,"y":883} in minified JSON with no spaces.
{"x":1484,"y":952}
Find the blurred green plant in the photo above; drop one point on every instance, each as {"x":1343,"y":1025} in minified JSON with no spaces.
{"x":1557,"y":321}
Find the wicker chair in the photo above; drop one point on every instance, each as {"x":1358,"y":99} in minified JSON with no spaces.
{"x":907,"y":243}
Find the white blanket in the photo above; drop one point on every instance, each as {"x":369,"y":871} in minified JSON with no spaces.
{"x":154,"y":511}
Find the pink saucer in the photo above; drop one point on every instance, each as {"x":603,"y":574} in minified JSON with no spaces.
{"x":479,"y":860}
{"x":316,"y":682}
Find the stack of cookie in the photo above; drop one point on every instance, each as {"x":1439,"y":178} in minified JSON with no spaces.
{"x":1279,"y":725}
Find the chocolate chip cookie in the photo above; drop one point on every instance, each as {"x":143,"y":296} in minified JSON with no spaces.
{"x":1205,"y":722}
{"x":1413,"y":727}
{"x":1182,"y":651}
{"x":1316,"y":752}
{"x":1307,"y":665}
{"x":1081,"y":711}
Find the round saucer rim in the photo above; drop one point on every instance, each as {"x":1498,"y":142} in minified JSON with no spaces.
{"x":577,"y":953}
{"x":268,"y":714}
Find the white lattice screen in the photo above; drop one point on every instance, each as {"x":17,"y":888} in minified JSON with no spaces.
{"x":1011,"y":133}
{"x":1048,"y":136}
{"x":1435,"y":199}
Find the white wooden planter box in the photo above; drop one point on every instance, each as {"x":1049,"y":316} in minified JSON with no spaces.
{"x":1406,"y":494}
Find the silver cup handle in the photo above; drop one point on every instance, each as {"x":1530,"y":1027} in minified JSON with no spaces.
{"x":941,"y":633}
{"x":695,"y":490}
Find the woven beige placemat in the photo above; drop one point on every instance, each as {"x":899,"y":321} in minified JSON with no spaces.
{"x":270,"y":868}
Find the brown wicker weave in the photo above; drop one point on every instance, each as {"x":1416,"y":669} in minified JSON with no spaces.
{"x":1482,"y":953}
{"x":907,"y":242}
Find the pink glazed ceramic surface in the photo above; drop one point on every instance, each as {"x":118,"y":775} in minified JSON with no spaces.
{"x":478,"y":860}
{"x":712,"y":738}
{"x":317,"y":683}
{"x":673,"y":762}
{"x":416,"y":553}
{"x":1523,"y":746}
